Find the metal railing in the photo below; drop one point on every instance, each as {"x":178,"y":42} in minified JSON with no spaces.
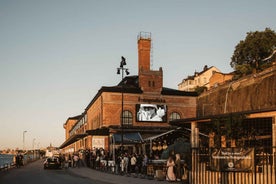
{"x":7,"y":166}
{"x":264,"y":171}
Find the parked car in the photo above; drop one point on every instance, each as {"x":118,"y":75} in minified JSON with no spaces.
{"x":52,"y":163}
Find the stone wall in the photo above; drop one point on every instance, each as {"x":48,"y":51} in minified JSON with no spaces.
{"x":255,"y":92}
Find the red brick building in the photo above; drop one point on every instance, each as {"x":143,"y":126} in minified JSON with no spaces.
{"x":101,"y":126}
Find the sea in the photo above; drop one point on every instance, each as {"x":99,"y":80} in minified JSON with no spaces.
{"x":6,"y":159}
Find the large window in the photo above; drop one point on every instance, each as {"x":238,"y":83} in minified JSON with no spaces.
{"x":127,"y":118}
{"x":174,"y":115}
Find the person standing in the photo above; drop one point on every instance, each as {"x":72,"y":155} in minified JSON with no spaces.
{"x":76,"y":160}
{"x":122,"y":164}
{"x":145,"y":164}
{"x":62,"y":160}
{"x":133,"y":161}
{"x":139,"y":163}
{"x":21,"y":159}
{"x":117,"y":164}
{"x":178,"y":167}
{"x":87,"y":157}
{"x":69,"y":161}
{"x":185,"y":176}
{"x":126,"y":163}
{"x":17,"y":160}
{"x":170,"y":173}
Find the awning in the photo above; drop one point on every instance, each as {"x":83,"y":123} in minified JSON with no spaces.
{"x":128,"y":138}
{"x":99,"y":131}
{"x":160,"y":135}
{"x":172,"y":134}
{"x":72,"y":139}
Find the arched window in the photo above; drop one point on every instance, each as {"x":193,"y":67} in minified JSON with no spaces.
{"x":174,"y":115}
{"x":127,"y":118}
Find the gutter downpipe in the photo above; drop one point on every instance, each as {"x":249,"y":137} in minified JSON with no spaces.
{"x":226,"y":97}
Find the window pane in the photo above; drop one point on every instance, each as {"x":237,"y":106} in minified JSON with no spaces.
{"x":127,"y":118}
{"x":173,"y":116}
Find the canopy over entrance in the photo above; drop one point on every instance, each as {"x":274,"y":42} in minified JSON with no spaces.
{"x":128,"y":138}
{"x":72,"y":139}
{"x":160,"y":135}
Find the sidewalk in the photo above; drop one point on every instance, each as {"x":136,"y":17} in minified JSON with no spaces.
{"x":113,"y":178}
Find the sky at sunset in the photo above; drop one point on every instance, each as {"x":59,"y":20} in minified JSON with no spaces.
{"x":56,"y":54}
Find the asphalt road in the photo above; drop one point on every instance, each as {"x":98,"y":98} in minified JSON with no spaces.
{"x":34,"y":173}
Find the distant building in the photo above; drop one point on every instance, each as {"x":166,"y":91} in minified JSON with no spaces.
{"x":219,"y":78}
{"x":199,"y":79}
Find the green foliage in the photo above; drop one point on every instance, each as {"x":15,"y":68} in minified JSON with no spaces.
{"x":250,"y":53}
{"x":244,"y":69}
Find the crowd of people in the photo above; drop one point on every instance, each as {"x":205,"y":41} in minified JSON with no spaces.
{"x":126,"y":163}
{"x":131,"y":163}
{"x":89,"y":158}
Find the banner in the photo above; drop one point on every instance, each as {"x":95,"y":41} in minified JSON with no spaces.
{"x":232,"y":159}
{"x":98,"y":142}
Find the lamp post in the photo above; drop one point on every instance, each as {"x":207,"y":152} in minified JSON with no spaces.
{"x":24,"y":140}
{"x":121,"y":70}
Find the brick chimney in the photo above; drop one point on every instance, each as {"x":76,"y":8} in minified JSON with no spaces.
{"x":150,"y":81}
{"x":144,"y":46}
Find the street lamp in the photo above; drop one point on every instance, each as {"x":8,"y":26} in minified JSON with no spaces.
{"x":24,"y":140}
{"x":121,"y":70}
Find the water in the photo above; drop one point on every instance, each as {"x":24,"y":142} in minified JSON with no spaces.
{"x":6,"y":159}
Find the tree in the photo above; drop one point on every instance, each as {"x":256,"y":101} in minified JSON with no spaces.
{"x":250,"y":53}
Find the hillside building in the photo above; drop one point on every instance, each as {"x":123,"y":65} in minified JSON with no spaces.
{"x":199,"y":79}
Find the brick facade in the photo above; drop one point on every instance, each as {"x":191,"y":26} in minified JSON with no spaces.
{"x":104,"y":111}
